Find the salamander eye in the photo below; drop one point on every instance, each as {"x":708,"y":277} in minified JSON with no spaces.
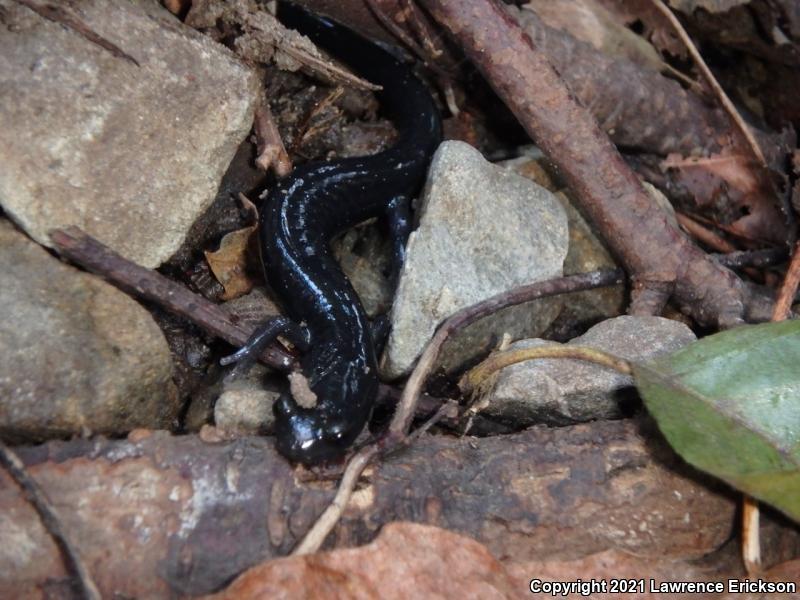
{"x":336,"y":431}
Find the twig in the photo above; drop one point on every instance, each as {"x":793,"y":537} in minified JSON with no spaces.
{"x":59,"y":15}
{"x":473,"y":378}
{"x":753,"y":258}
{"x":428,"y":58}
{"x":95,"y":256}
{"x":420,"y":26}
{"x":395,"y":29}
{"x":39,"y":500}
{"x":751,"y":543}
{"x":151,"y":285}
{"x":330,"y":516}
{"x":269,"y":145}
{"x":741,"y":126}
{"x":786,"y":296}
{"x":704,"y":235}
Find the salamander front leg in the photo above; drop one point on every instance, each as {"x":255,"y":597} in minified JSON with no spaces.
{"x":398,"y":215}
{"x":262,"y":337}
{"x":379,"y":327}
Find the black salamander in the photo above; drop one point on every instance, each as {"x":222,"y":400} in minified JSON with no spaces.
{"x":301,"y":216}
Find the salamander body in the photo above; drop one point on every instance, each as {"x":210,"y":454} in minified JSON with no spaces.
{"x":301,"y":216}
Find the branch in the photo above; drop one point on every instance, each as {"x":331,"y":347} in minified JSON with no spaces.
{"x":151,"y":285}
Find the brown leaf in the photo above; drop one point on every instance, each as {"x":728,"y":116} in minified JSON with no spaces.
{"x":592,"y":22}
{"x":727,"y":187}
{"x":405,"y":561}
{"x":229,"y":262}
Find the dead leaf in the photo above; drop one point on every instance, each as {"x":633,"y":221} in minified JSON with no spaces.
{"x":407,"y":560}
{"x":592,"y":22}
{"x":654,"y":26}
{"x":229,"y":262}
{"x":727,"y":189}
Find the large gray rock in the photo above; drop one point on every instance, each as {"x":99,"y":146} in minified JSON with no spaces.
{"x":131,"y":154}
{"x":560,"y":391}
{"x":483,"y":230}
{"x":77,"y":354}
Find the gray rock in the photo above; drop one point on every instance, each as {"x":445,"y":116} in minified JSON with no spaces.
{"x":365,"y":255}
{"x":558,"y":392}
{"x":586,"y":253}
{"x":245,"y":405}
{"x":77,"y":354}
{"x":131,"y":154}
{"x":483,"y":230}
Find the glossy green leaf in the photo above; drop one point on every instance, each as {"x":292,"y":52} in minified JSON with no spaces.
{"x":729,"y":404}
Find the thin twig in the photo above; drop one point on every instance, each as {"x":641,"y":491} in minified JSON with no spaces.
{"x":703,"y":234}
{"x":473,"y":379}
{"x":94,"y":256}
{"x":786,"y":296}
{"x":751,"y":542}
{"x":269,"y":145}
{"x":405,"y":38}
{"x":395,"y":29}
{"x":328,"y":519}
{"x":767,"y":257}
{"x":420,"y":26}
{"x":60,"y":15}
{"x":39,"y":500}
{"x":741,"y":126}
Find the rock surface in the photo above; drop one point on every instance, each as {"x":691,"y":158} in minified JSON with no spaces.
{"x":482,"y":230}
{"x":132,"y":154}
{"x":556,"y":391}
{"x":245,"y":405}
{"x":77,"y":353}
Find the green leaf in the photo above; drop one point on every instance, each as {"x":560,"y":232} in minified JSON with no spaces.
{"x":729,"y":404}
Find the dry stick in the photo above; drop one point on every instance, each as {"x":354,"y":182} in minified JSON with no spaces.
{"x":751,"y":545}
{"x":269,"y":145}
{"x":420,"y":26}
{"x":398,"y":428}
{"x":151,"y":285}
{"x":789,"y":288}
{"x":405,"y":38}
{"x":753,"y":258}
{"x":710,"y":239}
{"x":701,"y":233}
{"x":62,"y":16}
{"x":395,"y":29}
{"x":473,"y":379}
{"x":38,"y":498}
{"x":741,"y":126}
{"x":634,"y":227}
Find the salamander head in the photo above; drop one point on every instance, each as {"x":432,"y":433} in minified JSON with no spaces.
{"x":312,"y":436}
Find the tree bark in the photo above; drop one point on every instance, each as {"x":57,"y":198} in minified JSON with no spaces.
{"x":158,"y":514}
